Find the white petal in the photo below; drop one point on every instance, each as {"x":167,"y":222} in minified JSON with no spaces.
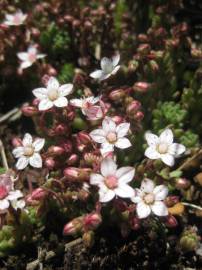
{"x":122,"y":129}
{"x":176,"y":149}
{"x":4,"y":204}
{"x":143,"y":210}
{"x":166,"y":136}
{"x":108,"y":167}
{"x":25,"y":64}
{"x":65,"y":89}
{"x":108,"y":125}
{"x":35,"y":161}
{"x":160,"y":192}
{"x":22,"y":163}
{"x":106,"y":148}
{"x":159,"y":208}
{"x":76,"y":102}
{"x":40,"y":93}
{"x":18,"y":152}
{"x":104,"y":76}
{"x":96,"y":179}
{"x":53,"y":83}
{"x":32,"y":50}
{"x":13,"y":195}
{"x":138,"y":196}
{"x":41,"y":55}
{"x":123,"y":143}
{"x":61,"y":102}
{"x":98,"y":135}
{"x":116,"y":59}
{"x":22,"y":56}
{"x":168,"y":159}
{"x":124,"y":191}
{"x":152,"y":153}
{"x":38,"y":144}
{"x":151,"y":139}
{"x":96,"y":74}
{"x":18,"y":204}
{"x":106,"y":196}
{"x":125,"y":174}
{"x":147,"y":185}
{"x":106,"y":65}
{"x":115,"y":70}
{"x":45,"y":104}
{"x":27,"y":140}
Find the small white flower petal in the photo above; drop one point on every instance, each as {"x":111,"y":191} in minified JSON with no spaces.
{"x":61,"y":102}
{"x":115,"y":59}
{"x":40,"y":56}
{"x":176,"y":149}
{"x":124,"y":191}
{"x":106,"y":196}
{"x":45,"y":104}
{"x":38,"y":144}
{"x":123,"y":143}
{"x":18,"y":151}
{"x":152,"y":139}
{"x":160,"y":192}
{"x":96,"y":74}
{"x":40,"y":93}
{"x":22,"y":163}
{"x":22,"y":56}
{"x":98,"y":135}
{"x":143,"y":210}
{"x":122,"y":129}
{"x":65,"y":89}
{"x":32,"y":50}
{"x":106,"y":148}
{"x":108,"y":167}
{"x":35,"y":161}
{"x":147,"y":185}
{"x":168,"y":159}
{"x":27,"y":140}
{"x":104,"y":76}
{"x":152,"y":153}
{"x":125,"y":174}
{"x":15,"y":194}
{"x":53,"y":83}
{"x":96,"y":179}
{"x":108,"y":125}
{"x":159,"y":208}
{"x":138,"y":196}
{"x":4,"y":204}
{"x":18,"y":204}
{"x":166,"y":136}
{"x":25,"y":64}
{"x":76,"y":102}
{"x":115,"y":70}
{"x":106,"y":65}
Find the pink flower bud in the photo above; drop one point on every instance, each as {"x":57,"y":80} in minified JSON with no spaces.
{"x":144,"y":49}
{"x":92,"y":221}
{"x":117,"y":95}
{"x":61,"y":129}
{"x":171,"y":200}
{"x":38,"y":194}
{"x":182,"y":183}
{"x":68,"y":18}
{"x":30,"y":201}
{"x":73,"y":227}
{"x":171,"y":221}
{"x":35,"y":102}
{"x":50,"y":163}
{"x":72,"y":159}
{"x":117,"y":119}
{"x":135,"y":223}
{"x":67,"y":146}
{"x":141,"y":87}
{"x":143,"y":38}
{"x":77,"y":174}
{"x":133,"y":107}
{"x":84,"y":137}
{"x":16,"y":142}
{"x":139,"y":116}
{"x":45,"y":79}
{"x":56,"y":150}
{"x":29,"y":110}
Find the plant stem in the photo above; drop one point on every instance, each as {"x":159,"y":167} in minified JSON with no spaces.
{"x":3,"y":156}
{"x":192,"y":205}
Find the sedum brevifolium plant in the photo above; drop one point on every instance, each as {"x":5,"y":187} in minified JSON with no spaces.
{"x":113,"y":132}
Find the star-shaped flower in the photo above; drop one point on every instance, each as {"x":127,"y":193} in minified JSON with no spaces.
{"x":17,"y":18}
{"x":108,"y":67}
{"x":163,"y":148}
{"x":112,"y":181}
{"x":28,"y":153}
{"x":30,"y":57}
{"x":54,"y":95}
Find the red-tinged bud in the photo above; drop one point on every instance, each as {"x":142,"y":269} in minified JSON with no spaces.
{"x":56,"y":150}
{"x":77,"y":174}
{"x":72,"y":160}
{"x":38,"y":194}
{"x":29,"y":110}
{"x":117,"y":119}
{"x":135,"y":223}
{"x":52,"y":71}
{"x":83,"y":195}
{"x":160,"y":32}
{"x":88,"y":239}
{"x":67,"y":146}
{"x":35,"y":32}
{"x":30,"y":201}
{"x":92,"y":221}
{"x":143,"y":38}
{"x":154,"y":66}
{"x":139,"y":116}
{"x":144,"y":49}
{"x":45,"y":79}
{"x":50,"y":163}
{"x":61,"y":129}
{"x":120,"y":205}
{"x":79,"y":79}
{"x":4,"y":27}
{"x":35,"y":102}
{"x":91,"y":159}
{"x":182,"y":183}
{"x":171,"y":221}
{"x":117,"y":95}
{"x":88,"y":25}
{"x":141,"y":87}
{"x":76,"y":23}
{"x":133,"y":107}
{"x":73,"y":227}
{"x":84,"y":137}
{"x":68,"y":18}
{"x":171,"y":200}
{"x":16,"y":142}
{"x":71,"y":115}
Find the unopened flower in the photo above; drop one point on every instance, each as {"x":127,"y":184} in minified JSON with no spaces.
{"x":30,"y":57}
{"x":88,"y":107}
{"x":163,"y":148}
{"x":28,"y":153}
{"x":150,"y":199}
{"x":53,"y":95}
{"x":111,"y":135}
{"x":108,"y":67}
{"x":17,"y":18}
{"x":112,"y":181}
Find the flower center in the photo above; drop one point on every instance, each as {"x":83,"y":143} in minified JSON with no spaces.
{"x":53,"y":94}
{"x":32,"y":57}
{"x":111,"y":182}
{"x":111,"y":137}
{"x":3,"y":192}
{"x":149,"y":198}
{"x":162,"y":148}
{"x":17,"y":19}
{"x":28,"y":151}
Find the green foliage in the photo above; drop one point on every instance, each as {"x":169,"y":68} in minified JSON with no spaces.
{"x":121,"y":8}
{"x":189,"y":139}
{"x":66,"y":73}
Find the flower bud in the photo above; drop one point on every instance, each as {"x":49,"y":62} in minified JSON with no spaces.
{"x":72,"y":159}
{"x":35,"y":102}
{"x":133,"y":107}
{"x":139,"y":116}
{"x":45,"y":79}
{"x":16,"y":142}
{"x":67,"y":146}
{"x":143,"y":38}
{"x":61,"y":129}
{"x":182,"y":183}
{"x":50,"y":163}
{"x":171,"y":200}
{"x":135,"y":223}
{"x":55,"y":150}
{"x":117,"y":119}
{"x":117,"y":95}
{"x":92,"y":221}
{"x":189,"y":240}
{"x":77,"y":174}
{"x":144,"y":49}
{"x":141,"y":87}
{"x":171,"y":221}
{"x":38,"y":194}
{"x":29,"y":110}
{"x":84,"y":137}
{"x":73,"y":227}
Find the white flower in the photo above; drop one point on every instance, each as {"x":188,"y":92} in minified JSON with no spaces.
{"x":113,"y":182}
{"x":163,"y":148}
{"x":53,"y":95}
{"x":29,"y":57}
{"x":28,"y":153}
{"x":108,"y":67}
{"x":150,"y":199}
{"x":18,"y":204}
{"x":111,"y":135}
{"x":17,"y":18}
